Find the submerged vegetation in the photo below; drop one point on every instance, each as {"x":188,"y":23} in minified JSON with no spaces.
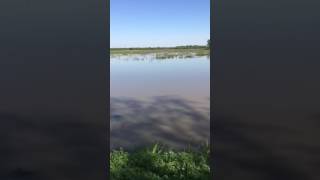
{"x":163,"y":52}
{"x":160,"y":163}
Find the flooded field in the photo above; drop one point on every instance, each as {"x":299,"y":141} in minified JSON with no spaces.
{"x":159,"y":100}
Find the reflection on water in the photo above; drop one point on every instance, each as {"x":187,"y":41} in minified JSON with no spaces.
{"x":159,"y":100}
{"x":158,"y":56}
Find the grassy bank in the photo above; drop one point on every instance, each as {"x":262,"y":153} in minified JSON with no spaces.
{"x":185,"y":51}
{"x":158,"y":163}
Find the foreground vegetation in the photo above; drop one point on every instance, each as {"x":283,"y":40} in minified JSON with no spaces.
{"x":159,"y":163}
{"x":161,"y":53}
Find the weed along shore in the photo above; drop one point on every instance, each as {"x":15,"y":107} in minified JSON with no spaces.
{"x":159,"y":163}
{"x":163,"y":52}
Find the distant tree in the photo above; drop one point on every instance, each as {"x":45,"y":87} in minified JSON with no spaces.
{"x":209,"y":43}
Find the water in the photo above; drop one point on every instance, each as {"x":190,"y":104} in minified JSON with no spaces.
{"x":163,"y":100}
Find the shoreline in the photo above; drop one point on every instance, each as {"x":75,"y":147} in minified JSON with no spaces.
{"x":158,"y":162}
{"x":162,"y":53}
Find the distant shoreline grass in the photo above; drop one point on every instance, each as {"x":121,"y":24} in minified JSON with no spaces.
{"x":159,"y":163}
{"x":163,"y":52}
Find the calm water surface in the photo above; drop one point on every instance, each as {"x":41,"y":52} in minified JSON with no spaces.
{"x":159,"y":101}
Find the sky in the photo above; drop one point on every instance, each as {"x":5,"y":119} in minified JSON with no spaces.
{"x":159,"y":23}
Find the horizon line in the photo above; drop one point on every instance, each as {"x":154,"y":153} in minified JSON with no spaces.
{"x":160,"y":46}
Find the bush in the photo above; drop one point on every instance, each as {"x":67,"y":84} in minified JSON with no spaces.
{"x":159,"y":163}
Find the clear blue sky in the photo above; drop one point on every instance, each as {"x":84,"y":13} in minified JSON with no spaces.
{"x":151,"y":23}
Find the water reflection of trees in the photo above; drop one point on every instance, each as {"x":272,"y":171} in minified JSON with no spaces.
{"x":173,"y":121}
{"x":158,"y":56}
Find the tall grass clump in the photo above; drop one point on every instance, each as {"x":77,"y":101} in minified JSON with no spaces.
{"x":160,"y":163}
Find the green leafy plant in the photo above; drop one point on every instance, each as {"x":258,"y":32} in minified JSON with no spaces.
{"x":160,"y":163}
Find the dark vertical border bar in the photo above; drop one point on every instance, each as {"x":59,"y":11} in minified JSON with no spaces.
{"x":266,"y":90}
{"x":53,"y":92}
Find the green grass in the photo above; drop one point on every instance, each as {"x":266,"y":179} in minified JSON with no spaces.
{"x":159,"y":163}
{"x":163,"y":53}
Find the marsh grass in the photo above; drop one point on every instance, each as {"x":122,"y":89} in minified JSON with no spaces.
{"x":160,"y":163}
{"x":163,"y":53}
